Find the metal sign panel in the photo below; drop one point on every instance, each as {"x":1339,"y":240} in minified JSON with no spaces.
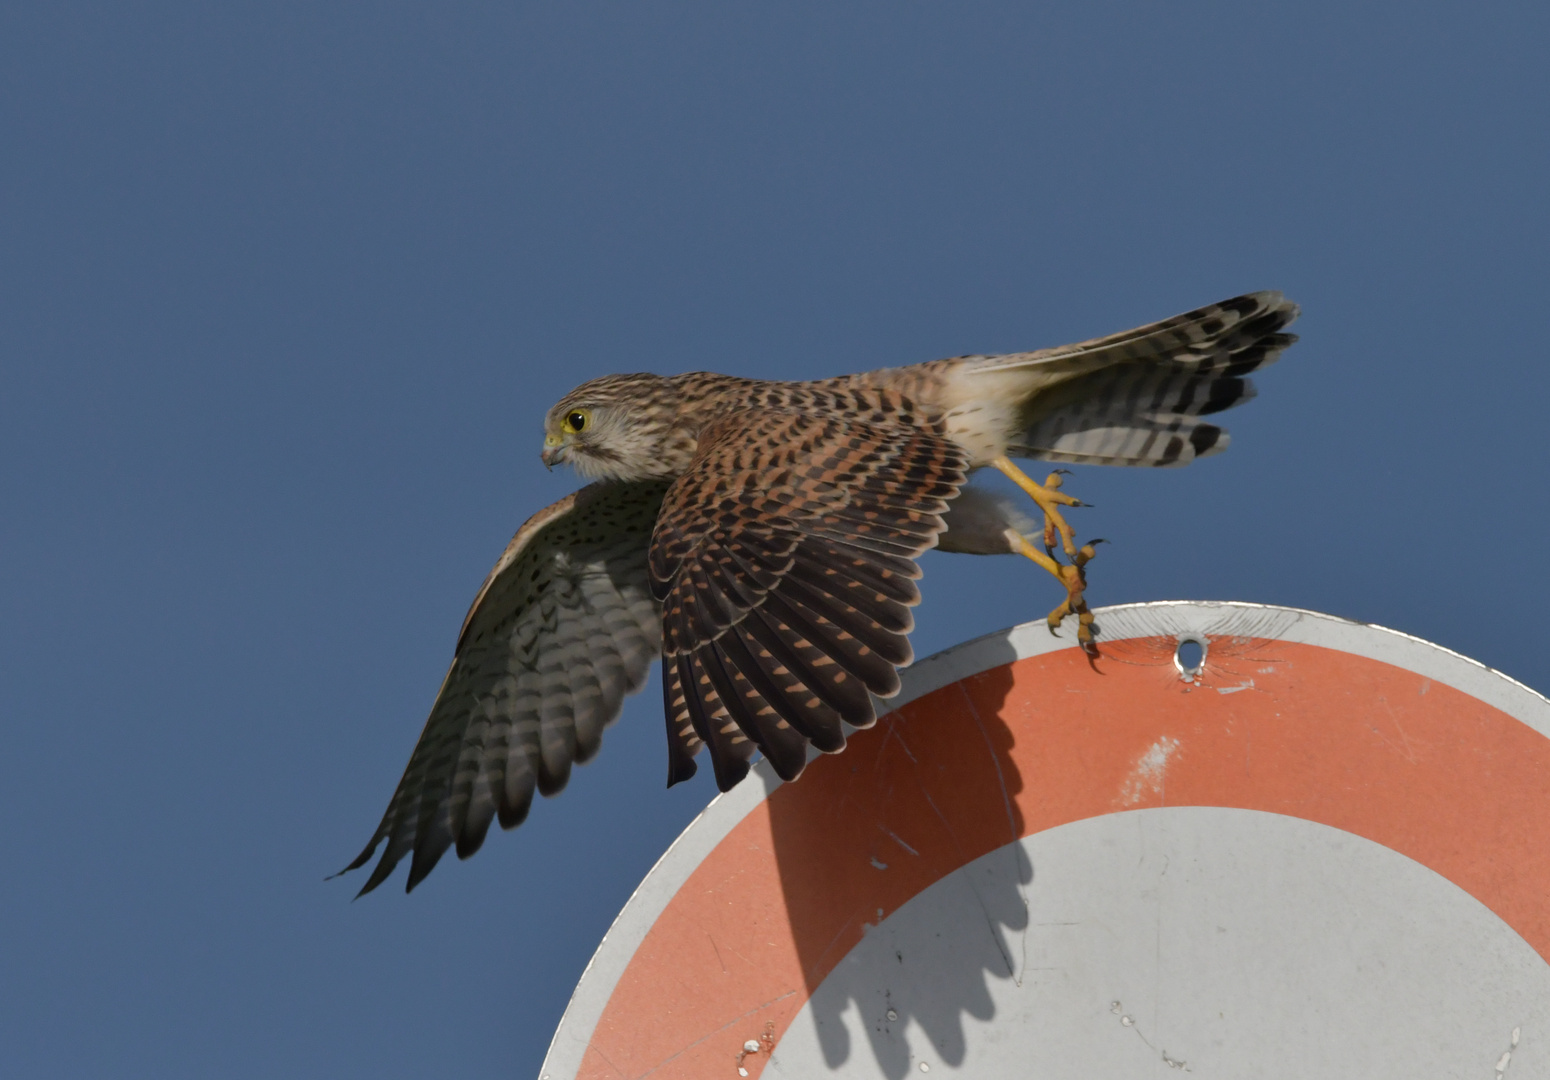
{"x":1247,"y":841}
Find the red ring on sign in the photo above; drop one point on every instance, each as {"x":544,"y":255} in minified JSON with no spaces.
{"x":1311,"y":732}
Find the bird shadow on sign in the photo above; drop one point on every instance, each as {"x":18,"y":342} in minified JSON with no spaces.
{"x":912,"y":801}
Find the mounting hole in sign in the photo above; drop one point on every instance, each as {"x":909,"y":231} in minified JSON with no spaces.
{"x":1190,"y":657}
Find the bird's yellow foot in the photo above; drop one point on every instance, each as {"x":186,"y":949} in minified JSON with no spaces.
{"x":1050,"y":498}
{"x":1074,"y":577}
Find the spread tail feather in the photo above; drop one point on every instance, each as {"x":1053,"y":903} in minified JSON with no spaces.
{"x":1137,"y":398}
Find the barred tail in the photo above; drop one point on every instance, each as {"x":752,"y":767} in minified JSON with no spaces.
{"x":1137,"y":398}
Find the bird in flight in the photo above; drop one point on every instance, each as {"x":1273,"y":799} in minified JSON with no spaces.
{"x":760,"y":538}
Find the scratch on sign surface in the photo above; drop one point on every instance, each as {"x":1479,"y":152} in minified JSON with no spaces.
{"x":995,"y":759}
{"x":1506,"y":1058}
{"x":1149,"y":772}
{"x":1126,"y":1020}
{"x":899,"y":840}
{"x":711,"y":1034}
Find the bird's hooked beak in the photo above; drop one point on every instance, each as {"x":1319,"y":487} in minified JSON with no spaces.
{"x":553,"y":451}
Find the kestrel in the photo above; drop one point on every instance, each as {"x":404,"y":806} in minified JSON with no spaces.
{"x":761,"y":537}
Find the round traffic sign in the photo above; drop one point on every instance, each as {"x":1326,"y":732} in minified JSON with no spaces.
{"x":1245,"y":841}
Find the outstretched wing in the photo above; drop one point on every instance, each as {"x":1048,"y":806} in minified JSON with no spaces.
{"x":784,"y":558}
{"x":564,"y":627}
{"x":1136,"y":398}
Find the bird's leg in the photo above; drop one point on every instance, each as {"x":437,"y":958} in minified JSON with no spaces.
{"x":1050,"y":499}
{"x":1073,"y":577}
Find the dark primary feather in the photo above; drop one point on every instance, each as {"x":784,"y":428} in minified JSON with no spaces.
{"x":786,"y":604}
{"x":563,"y":629}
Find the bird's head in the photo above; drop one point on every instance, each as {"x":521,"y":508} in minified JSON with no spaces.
{"x":619,"y":427}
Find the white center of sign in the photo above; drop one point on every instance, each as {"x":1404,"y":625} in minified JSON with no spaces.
{"x":1189,"y":941}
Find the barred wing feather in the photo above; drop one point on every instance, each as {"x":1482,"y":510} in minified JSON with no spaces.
{"x":563,"y":629}
{"x":784,"y":558}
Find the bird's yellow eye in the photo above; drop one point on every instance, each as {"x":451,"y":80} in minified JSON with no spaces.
{"x":576,"y":421}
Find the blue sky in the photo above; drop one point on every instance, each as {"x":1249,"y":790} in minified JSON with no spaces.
{"x":285,"y":290}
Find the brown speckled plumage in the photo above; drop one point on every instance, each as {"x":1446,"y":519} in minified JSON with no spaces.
{"x":761,"y":538}
{"x":784,"y":560}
